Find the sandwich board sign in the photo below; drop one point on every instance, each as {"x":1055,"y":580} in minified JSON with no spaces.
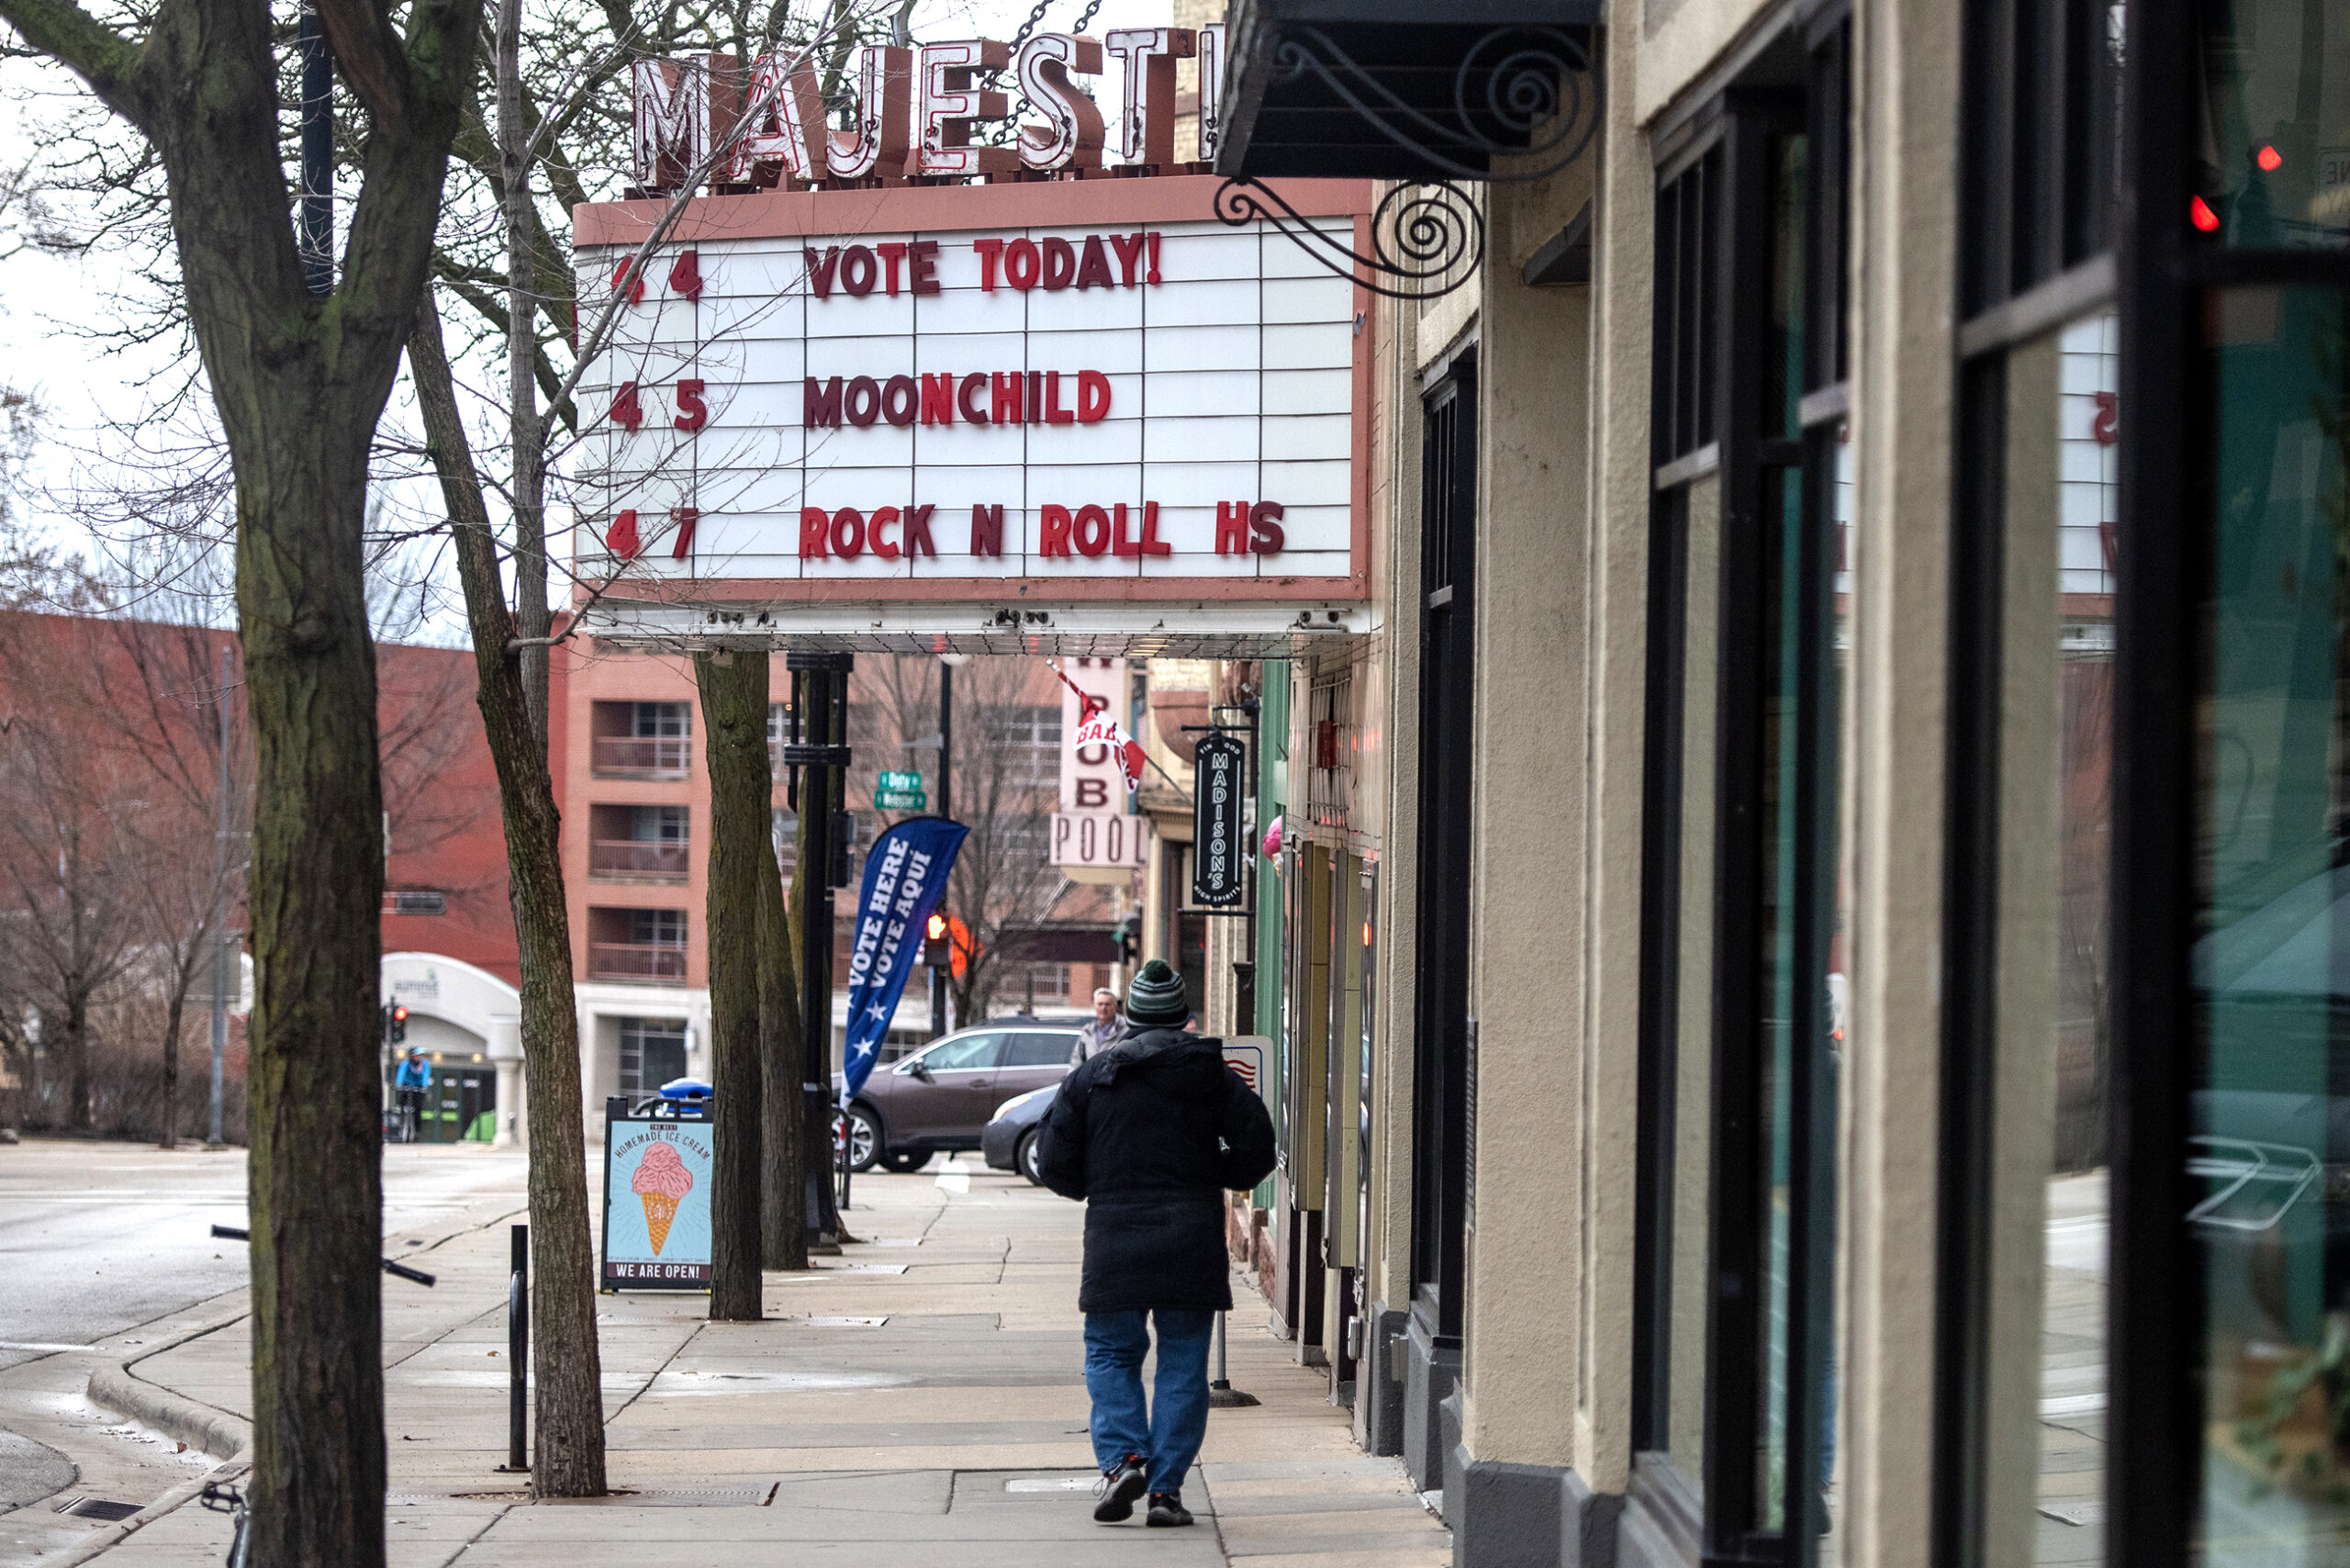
{"x":1248,"y":1055}
{"x":657,"y":1180}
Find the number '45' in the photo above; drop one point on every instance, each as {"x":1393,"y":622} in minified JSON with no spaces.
{"x":628,"y":409}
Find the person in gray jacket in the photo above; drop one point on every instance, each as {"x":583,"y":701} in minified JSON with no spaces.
{"x":1107,"y":1030}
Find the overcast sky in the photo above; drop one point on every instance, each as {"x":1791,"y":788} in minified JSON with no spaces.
{"x":49,"y":306}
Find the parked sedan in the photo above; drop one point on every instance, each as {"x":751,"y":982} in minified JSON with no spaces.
{"x":941,"y":1097}
{"x":1009,"y":1142}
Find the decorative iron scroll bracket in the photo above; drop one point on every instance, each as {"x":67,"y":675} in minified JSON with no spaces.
{"x":1427,"y":239}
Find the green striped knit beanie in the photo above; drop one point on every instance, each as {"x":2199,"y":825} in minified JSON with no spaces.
{"x":1156,"y":998}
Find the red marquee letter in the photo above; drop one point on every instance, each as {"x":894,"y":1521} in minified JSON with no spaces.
{"x":987,"y":530}
{"x":1232,"y":528}
{"x":821,"y":404}
{"x":1053,"y":530}
{"x":1267,"y":530}
{"x":918,"y":533}
{"x":882,"y":520}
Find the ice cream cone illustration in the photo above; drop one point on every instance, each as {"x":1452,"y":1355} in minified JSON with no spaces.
{"x":661,"y":1181}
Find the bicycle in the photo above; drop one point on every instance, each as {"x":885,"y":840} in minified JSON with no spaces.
{"x":223,"y":1497}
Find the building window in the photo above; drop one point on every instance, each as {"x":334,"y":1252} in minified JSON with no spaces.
{"x":1443,"y":1034}
{"x":636,"y":943}
{"x":650,"y":842}
{"x":416,"y":901}
{"x":1030,"y":736}
{"x":2024,"y":1374}
{"x":1038,"y":983}
{"x":1744,"y":957}
{"x":641,"y":739}
{"x":785,"y":829}
{"x":653,"y":1052}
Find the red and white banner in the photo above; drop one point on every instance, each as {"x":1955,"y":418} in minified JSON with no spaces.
{"x":1100,"y":730}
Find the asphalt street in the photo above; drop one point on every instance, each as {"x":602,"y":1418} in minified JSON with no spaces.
{"x":99,"y":1239}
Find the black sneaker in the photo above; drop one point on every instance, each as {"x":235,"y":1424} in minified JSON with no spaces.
{"x":1167,"y":1509}
{"x":1118,"y":1489}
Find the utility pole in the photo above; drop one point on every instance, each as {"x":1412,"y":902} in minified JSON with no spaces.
{"x":220,"y":910}
{"x":945,"y":809}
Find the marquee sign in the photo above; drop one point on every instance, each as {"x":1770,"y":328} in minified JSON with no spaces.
{"x":916,"y":112}
{"x":1030,"y":393}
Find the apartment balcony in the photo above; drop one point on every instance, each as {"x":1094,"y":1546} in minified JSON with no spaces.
{"x":654,"y":860}
{"x":641,"y":757}
{"x":636,"y":961}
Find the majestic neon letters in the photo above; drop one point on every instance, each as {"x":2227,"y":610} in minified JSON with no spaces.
{"x":709,"y":117}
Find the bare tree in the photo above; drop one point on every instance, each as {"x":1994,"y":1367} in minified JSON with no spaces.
{"x":1005,"y":767}
{"x":70,"y":882}
{"x":299,"y":380}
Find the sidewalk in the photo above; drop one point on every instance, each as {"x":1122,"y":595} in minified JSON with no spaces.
{"x":920,"y":1394}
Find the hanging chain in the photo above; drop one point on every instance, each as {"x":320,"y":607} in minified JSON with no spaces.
{"x":1030,"y":25}
{"x":1037,"y":16}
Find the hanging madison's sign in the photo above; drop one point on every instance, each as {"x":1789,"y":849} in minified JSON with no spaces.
{"x":1219,"y":850}
{"x":1074,"y":383}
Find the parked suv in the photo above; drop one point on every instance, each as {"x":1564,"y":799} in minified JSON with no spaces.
{"x":941,"y":1097}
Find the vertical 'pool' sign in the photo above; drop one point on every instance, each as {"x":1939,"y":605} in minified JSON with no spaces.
{"x":905,"y":876}
{"x":1219,"y":855}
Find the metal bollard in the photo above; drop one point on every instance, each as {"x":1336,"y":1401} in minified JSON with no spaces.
{"x":518,"y":1354}
{"x":1222,"y":1396}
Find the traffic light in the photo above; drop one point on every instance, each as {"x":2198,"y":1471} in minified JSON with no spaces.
{"x":1128,"y":933}
{"x":399,"y":1024}
{"x":933,"y":941}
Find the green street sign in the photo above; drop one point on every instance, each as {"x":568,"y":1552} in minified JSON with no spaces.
{"x":901,"y":781}
{"x":899,"y":800}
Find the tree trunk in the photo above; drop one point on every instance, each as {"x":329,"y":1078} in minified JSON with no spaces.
{"x":81,"y":1104}
{"x":569,"y":1460}
{"x":526,"y":431}
{"x":299,"y":381}
{"x":734,"y":737}
{"x":171,"y":1135}
{"x":783,"y":1112}
{"x":314,"y":1097}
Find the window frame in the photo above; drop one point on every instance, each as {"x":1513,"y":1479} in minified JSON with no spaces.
{"x":1724,"y":168}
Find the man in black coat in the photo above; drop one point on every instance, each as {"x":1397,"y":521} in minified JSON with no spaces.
{"x":1151,"y":1134}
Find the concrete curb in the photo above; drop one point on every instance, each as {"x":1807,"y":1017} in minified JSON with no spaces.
{"x":204,"y":1427}
{"x":179,"y":1496}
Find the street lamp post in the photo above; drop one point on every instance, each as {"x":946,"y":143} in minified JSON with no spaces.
{"x":818,"y":755}
{"x":946,"y":663}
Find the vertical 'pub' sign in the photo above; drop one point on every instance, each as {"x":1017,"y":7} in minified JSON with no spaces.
{"x":1218,"y":854}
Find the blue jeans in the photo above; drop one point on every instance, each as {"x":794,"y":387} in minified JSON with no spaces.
{"x":1170,"y":1435}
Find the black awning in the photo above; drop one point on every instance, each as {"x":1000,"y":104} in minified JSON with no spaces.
{"x":1417,"y":90}
{"x":1070,"y":944}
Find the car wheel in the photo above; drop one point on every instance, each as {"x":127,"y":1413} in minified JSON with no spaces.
{"x":1025,"y":1157}
{"x":905,"y":1161}
{"x":865,"y":1144}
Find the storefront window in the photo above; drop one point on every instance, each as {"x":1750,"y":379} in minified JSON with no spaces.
{"x":2272,"y":954}
{"x":1744,"y":958}
{"x":2276,"y":125}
